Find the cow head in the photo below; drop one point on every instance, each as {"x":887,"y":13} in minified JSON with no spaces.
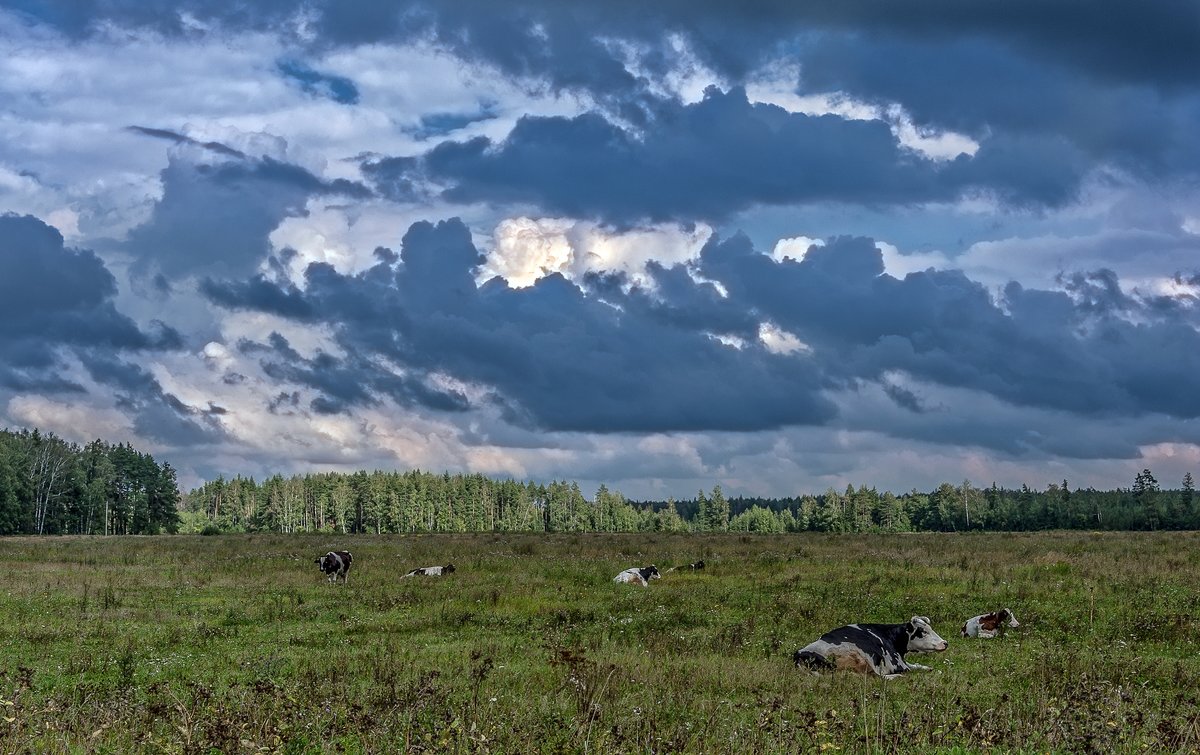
{"x":447,"y":568}
{"x":922,"y":638}
{"x":1008,"y":617}
{"x":650,"y":572}
{"x":321,"y":563}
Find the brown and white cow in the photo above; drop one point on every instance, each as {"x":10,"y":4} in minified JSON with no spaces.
{"x":430,"y":571}
{"x":871,"y":648}
{"x":636,"y":576}
{"x":990,"y":625}
{"x":336,"y":564}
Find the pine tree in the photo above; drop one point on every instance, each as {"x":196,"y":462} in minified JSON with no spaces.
{"x":719,"y":507}
{"x":1145,"y":495}
{"x":1186,"y":499}
{"x":704,"y":515}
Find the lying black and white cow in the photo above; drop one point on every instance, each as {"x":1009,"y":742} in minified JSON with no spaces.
{"x":336,"y":564}
{"x":989,"y":625}
{"x":871,"y":648}
{"x":636,"y":576}
{"x":692,"y":566}
{"x":431,"y":571}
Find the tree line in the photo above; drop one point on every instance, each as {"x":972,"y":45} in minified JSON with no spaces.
{"x":51,"y":487}
{"x":415,"y":501}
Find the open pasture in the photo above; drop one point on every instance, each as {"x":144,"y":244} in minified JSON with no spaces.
{"x":238,"y":644}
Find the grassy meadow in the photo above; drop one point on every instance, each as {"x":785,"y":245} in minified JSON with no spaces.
{"x":237,"y":644}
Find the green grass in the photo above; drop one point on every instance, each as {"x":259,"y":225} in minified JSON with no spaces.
{"x":237,"y":644}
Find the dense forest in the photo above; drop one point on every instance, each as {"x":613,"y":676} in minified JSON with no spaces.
{"x":423,"y":502}
{"x":51,"y":487}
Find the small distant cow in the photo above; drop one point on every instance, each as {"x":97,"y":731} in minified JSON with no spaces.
{"x":871,"y":648}
{"x":336,"y":564}
{"x":990,"y":625}
{"x":430,"y":571}
{"x":692,"y":566}
{"x":636,"y":576}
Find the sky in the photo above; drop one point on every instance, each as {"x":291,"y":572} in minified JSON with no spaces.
{"x":774,"y":246}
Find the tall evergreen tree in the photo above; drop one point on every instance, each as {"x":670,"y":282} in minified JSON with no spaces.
{"x":1145,"y":494}
{"x":719,"y":508}
{"x":1187,"y":499}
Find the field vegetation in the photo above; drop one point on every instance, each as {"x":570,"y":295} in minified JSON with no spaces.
{"x":235,"y":643}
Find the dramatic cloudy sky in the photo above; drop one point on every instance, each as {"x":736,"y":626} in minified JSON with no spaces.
{"x":777,"y":245}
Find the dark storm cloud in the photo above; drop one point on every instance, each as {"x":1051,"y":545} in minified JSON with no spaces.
{"x":349,"y":381}
{"x":52,"y":298}
{"x":1156,"y":41}
{"x":56,"y":301}
{"x":218,"y":217}
{"x":992,"y":90}
{"x":719,"y":156}
{"x":612,"y":357}
{"x":258,"y":294}
{"x":903,"y":397}
{"x":705,"y":160}
{"x":553,"y":356}
{"x":1084,"y":350}
{"x":177,"y":138}
{"x":1053,"y":91}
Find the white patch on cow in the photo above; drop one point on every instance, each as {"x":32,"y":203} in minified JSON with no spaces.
{"x":636,"y":576}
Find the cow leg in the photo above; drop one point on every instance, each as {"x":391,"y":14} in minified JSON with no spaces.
{"x":987,"y":634}
{"x":918,"y":667}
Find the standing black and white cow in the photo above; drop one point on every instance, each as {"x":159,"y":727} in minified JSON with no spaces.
{"x":990,"y":625}
{"x":336,"y":564}
{"x":636,"y":576}
{"x":430,"y":571}
{"x":871,"y":648}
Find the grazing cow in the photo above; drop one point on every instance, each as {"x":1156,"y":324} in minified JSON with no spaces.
{"x":336,"y":564}
{"x":871,"y":648}
{"x":989,"y":625}
{"x":430,"y":571}
{"x":636,"y":576}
